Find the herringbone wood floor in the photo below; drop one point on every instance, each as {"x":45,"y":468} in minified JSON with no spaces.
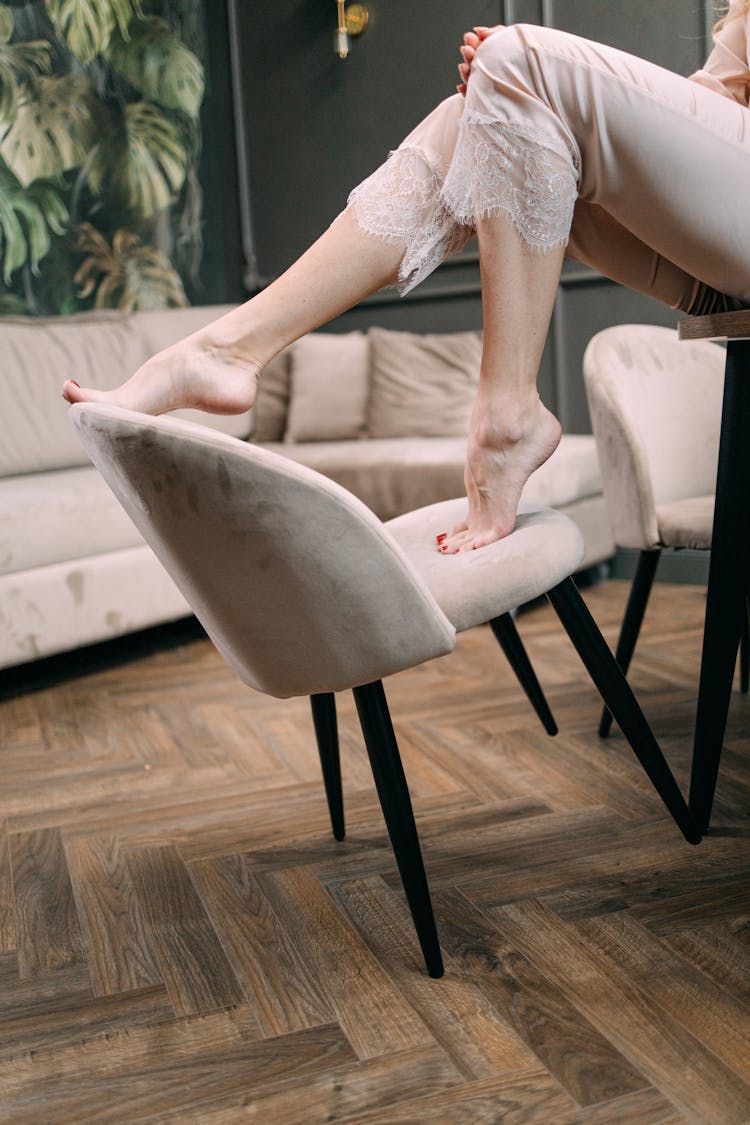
{"x":182,"y":940}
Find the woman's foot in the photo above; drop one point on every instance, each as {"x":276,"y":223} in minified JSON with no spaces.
{"x":501,"y":458}
{"x":187,"y":374}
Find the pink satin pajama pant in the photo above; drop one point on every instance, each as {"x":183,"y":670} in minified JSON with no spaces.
{"x":645,"y":175}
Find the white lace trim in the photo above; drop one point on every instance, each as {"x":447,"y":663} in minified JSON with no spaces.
{"x":401,"y":203}
{"x":495,"y":169}
{"x":515,"y":170}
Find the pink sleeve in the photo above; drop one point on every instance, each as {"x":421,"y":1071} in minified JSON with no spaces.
{"x":726,"y":69}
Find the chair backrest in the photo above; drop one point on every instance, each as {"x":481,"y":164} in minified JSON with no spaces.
{"x":298,"y":584}
{"x":656,"y":412}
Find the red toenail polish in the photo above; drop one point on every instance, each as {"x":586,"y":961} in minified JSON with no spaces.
{"x":440,"y":538}
{"x":74,"y":383}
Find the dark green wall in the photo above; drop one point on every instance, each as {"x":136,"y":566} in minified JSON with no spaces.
{"x":315,"y":124}
{"x":307,"y":126}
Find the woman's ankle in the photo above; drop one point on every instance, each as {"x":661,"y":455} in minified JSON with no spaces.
{"x":508,"y":421}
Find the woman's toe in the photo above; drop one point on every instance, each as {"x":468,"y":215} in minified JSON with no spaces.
{"x":454,"y":543}
{"x":72,"y":391}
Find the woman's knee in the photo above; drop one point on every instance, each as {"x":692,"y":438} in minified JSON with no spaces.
{"x":518,"y":47}
{"x":506,"y":44}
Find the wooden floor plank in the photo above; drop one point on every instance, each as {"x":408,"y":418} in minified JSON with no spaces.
{"x":49,"y":935}
{"x":645,"y":1107}
{"x":119,"y":952}
{"x":675,"y":1062}
{"x":20,"y":725}
{"x":724,"y":897}
{"x":279,"y":988}
{"x":582,"y":1060}
{"x":8,"y":935}
{"x":561,"y":850}
{"x":184,"y":1065}
{"x":531,"y":1098}
{"x":290,"y":815}
{"x":243,"y":743}
{"x":193,"y":964}
{"x":653,"y":885}
{"x":721,"y":1023}
{"x":93,"y":797}
{"x":32,"y":1025}
{"x":717,"y":954}
{"x":341,"y":1094}
{"x":372,"y":1012}
{"x":459,"y":1016}
{"x":15,"y":990}
{"x":366,"y":850}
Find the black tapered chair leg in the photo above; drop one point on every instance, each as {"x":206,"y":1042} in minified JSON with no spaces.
{"x":323,"y":707}
{"x":745,"y":649}
{"x":395,"y":802}
{"x":727,"y":582}
{"x":632,"y":621}
{"x":617,"y":695}
{"x":510,"y":642}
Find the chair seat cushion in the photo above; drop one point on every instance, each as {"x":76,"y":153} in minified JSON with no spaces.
{"x":474,"y":587}
{"x":686,"y":523}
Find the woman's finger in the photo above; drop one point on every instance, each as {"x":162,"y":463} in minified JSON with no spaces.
{"x":485,"y":32}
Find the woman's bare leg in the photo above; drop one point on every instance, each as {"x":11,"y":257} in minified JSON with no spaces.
{"x":216,"y":369}
{"x":512,"y":433}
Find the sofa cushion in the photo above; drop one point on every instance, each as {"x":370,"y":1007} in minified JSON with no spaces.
{"x":36,"y":356}
{"x":53,"y":608}
{"x":163,"y":327}
{"x":98,"y":349}
{"x":422,"y":385}
{"x":53,"y":517}
{"x":330,"y":382}
{"x":59,"y":516}
{"x":571,"y":473}
{"x":392,"y":475}
{"x":590,"y":515}
{"x":272,"y":402}
{"x":396,"y":475}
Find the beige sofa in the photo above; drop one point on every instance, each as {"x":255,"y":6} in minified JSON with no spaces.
{"x":363,"y":409}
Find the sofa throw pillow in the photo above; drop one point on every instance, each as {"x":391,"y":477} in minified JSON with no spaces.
{"x":330,"y":385}
{"x":422,"y":385}
{"x":272,"y":401}
{"x":36,"y":356}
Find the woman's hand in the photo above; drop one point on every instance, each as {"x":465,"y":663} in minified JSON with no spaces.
{"x":472,"y":39}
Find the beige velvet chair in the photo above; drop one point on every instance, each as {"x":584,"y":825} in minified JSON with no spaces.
{"x":656,"y":412}
{"x":305,"y":592}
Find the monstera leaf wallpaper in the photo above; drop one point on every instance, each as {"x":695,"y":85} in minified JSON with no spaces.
{"x":100,"y":204}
